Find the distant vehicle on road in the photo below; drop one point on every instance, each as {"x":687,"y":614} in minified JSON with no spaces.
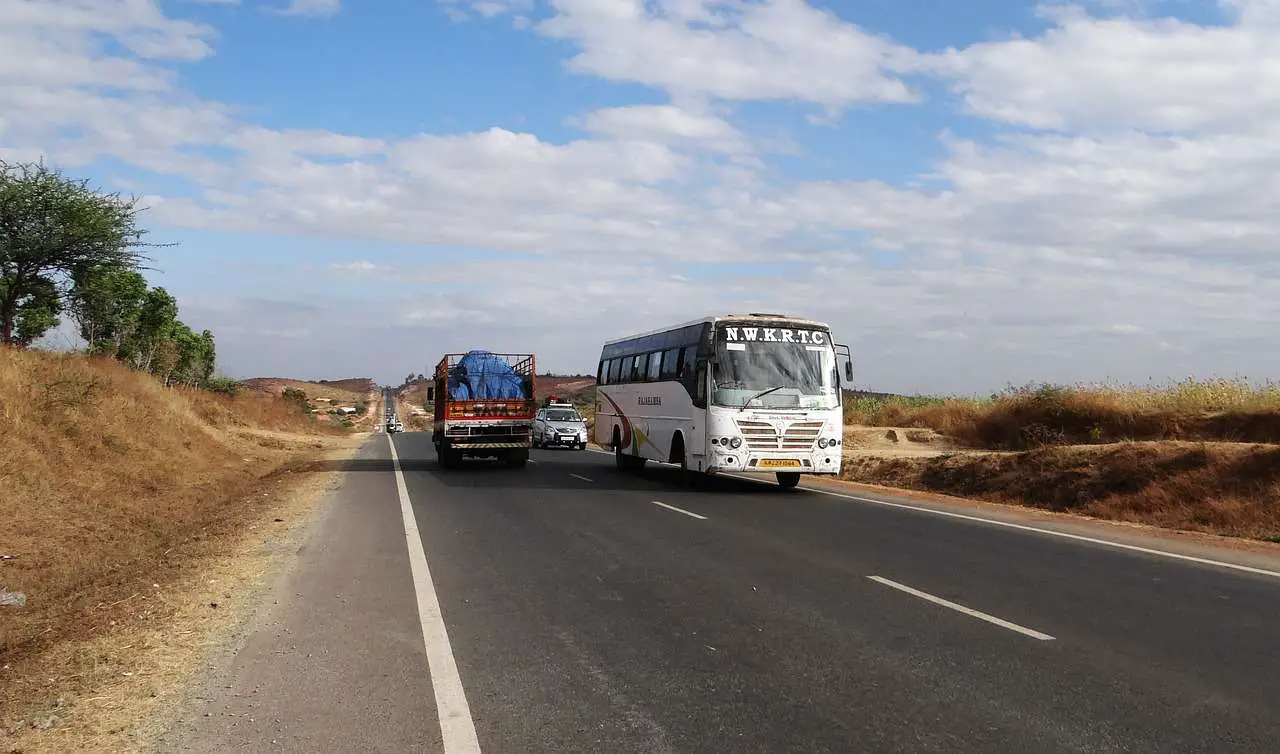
{"x":484,"y":407}
{"x":394,"y":425}
{"x":559,"y":424}
{"x":732,"y":393}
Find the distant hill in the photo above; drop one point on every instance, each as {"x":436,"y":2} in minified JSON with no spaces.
{"x":351,"y":390}
{"x":580,"y":391}
{"x":360,"y":385}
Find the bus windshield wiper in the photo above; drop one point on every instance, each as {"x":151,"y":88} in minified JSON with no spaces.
{"x":760,"y":394}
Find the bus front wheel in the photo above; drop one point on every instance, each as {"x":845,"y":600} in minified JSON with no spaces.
{"x":788,"y":479}
{"x":689,"y":477}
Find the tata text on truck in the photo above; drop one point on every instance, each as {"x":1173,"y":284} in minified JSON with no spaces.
{"x":733,"y":393}
{"x":484,"y":407}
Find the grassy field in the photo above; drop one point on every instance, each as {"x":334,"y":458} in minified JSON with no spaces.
{"x":1196,"y":455}
{"x":1038,"y":416}
{"x":107,"y":476}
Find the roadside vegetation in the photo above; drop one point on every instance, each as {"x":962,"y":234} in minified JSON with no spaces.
{"x":1195,"y":455}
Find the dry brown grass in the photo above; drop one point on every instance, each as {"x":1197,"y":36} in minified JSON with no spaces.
{"x":1214,"y":410}
{"x":118,"y":690}
{"x":1226,"y":489}
{"x":108,"y":478}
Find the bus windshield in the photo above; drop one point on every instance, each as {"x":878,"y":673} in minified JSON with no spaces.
{"x":797,"y":368}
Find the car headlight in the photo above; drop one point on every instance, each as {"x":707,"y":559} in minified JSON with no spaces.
{"x":735,"y":443}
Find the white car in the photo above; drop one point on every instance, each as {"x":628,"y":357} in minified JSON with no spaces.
{"x":559,"y":424}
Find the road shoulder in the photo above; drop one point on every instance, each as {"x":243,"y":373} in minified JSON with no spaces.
{"x":131,"y":683}
{"x":333,"y":657}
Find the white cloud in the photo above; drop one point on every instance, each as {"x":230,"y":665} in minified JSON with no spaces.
{"x":360,"y":268}
{"x":1158,"y":74}
{"x":312,"y":8}
{"x":1104,"y":247}
{"x":519,"y":9}
{"x":667,"y":124}
{"x":770,"y":50}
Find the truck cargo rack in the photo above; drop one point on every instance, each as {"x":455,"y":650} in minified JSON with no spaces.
{"x":449,"y":408}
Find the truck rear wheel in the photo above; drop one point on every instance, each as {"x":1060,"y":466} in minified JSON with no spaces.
{"x":517,"y":459}
{"x":450,"y":457}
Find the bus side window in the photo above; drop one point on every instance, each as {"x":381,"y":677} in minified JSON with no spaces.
{"x":686,"y":361}
{"x":670,"y":364}
{"x":614,"y":366}
{"x":602,"y":373}
{"x":655,"y":366}
{"x":639,"y":367}
{"x":627,"y":363}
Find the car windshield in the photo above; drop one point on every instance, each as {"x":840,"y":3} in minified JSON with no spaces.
{"x":563,"y":416}
{"x":797,"y":367}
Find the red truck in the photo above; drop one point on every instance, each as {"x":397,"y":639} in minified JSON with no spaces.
{"x":484,"y":407}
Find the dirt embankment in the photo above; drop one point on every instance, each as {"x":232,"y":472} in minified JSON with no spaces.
{"x":115,"y":489}
{"x":1230,"y":489}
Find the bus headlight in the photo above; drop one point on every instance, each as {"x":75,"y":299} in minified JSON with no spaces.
{"x":735,"y":443}
{"x":822,"y":443}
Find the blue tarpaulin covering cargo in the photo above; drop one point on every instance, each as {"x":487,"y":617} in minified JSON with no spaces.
{"x":483,"y":376}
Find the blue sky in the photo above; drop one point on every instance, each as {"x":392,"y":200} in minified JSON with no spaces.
{"x":972,"y":194}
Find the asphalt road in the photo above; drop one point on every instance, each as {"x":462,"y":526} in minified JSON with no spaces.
{"x":590,"y":610}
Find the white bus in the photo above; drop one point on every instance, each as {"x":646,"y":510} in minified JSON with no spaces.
{"x":733,"y":393}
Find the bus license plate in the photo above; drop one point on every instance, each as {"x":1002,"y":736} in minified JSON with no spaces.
{"x":779,"y":463}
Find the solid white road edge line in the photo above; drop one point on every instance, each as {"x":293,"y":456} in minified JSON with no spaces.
{"x":962,"y":609}
{"x":680,"y":510}
{"x":457,"y":729}
{"x":1061,"y":534}
{"x":1024,"y":527}
{"x":578,"y":476}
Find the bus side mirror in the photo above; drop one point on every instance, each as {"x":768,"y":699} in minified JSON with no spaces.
{"x":848,"y":370}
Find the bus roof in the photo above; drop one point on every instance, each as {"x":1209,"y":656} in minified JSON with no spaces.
{"x":754,"y":316}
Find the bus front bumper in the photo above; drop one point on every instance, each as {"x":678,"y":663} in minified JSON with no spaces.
{"x":720,"y":462}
